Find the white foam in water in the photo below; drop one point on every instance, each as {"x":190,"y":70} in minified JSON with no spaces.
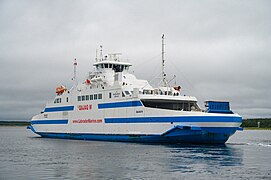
{"x":264,"y":145}
{"x":237,"y":143}
{"x":259,"y":144}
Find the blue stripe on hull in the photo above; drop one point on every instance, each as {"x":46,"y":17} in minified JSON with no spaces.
{"x":119,"y":104}
{"x":208,"y":136}
{"x":59,"y":121}
{"x":174,"y":119}
{"x":62,"y":108}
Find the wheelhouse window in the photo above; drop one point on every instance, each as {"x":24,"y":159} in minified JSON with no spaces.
{"x":95,"y":96}
{"x":100,"y":96}
{"x":110,"y":95}
{"x":99,"y":66}
{"x":118,"y":68}
{"x":91,"y":97}
{"x":79,"y":98}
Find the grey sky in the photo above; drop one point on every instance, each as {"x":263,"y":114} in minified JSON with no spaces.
{"x":219,"y":50}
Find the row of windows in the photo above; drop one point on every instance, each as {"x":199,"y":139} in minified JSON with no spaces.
{"x":99,"y":96}
{"x":57,"y":100}
{"x":126,"y":67}
{"x":160,"y":92}
{"x":115,"y":67}
{"x":89,"y":97}
{"x":171,"y":104}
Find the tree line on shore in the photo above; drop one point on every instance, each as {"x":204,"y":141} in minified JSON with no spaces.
{"x":262,"y":123}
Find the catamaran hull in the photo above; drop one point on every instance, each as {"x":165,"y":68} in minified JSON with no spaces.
{"x":203,"y":136}
{"x":131,"y":122}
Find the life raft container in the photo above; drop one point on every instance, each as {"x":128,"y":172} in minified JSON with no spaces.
{"x":60,"y":90}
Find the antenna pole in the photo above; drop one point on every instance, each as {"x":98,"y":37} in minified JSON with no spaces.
{"x":74,"y":73}
{"x":96,"y":57}
{"x":101,"y":53}
{"x":163,"y":61}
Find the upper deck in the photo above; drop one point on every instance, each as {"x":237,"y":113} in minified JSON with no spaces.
{"x":112,"y":81}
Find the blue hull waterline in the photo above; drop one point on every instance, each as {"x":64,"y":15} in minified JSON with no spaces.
{"x":177,"y":134}
{"x":113,"y":105}
{"x":181,"y":136}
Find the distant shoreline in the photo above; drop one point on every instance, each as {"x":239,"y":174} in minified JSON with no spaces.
{"x":252,"y":124}
{"x":256,"y":128}
{"x":14,"y":123}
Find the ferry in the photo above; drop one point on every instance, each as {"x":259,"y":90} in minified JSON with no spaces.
{"x":113,"y":105}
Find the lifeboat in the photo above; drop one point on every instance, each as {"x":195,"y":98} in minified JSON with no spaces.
{"x":60,"y":90}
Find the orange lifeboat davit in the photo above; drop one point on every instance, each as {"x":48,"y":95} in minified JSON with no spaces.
{"x":60,"y":90}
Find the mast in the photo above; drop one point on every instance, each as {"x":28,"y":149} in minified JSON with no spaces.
{"x":163,"y":62}
{"x":96,"y":57}
{"x":101,"y":52}
{"x":74,"y":73}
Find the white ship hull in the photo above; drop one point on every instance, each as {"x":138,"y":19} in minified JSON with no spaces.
{"x":131,"y":121}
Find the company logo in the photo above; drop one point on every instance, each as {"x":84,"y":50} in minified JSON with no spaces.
{"x":84,"y":107}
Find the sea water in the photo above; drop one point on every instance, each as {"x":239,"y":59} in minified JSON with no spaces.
{"x":24,"y":155}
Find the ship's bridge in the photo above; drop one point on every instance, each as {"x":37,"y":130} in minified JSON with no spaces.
{"x":111,"y":70}
{"x":112,"y":62}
